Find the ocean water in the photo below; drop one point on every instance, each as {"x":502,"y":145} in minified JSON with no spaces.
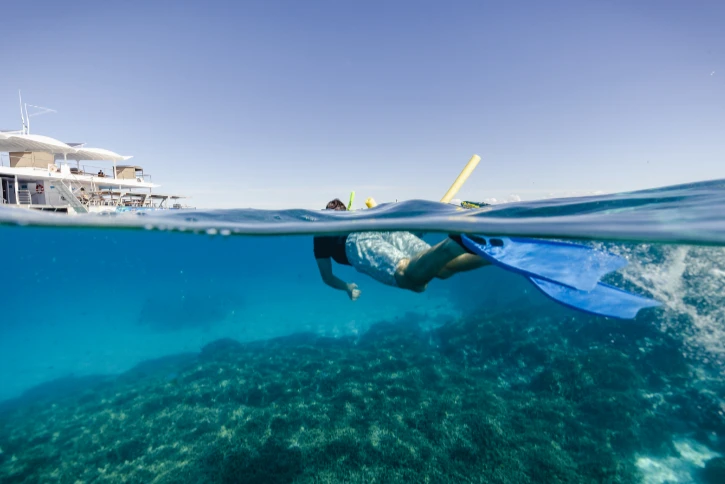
{"x":202,"y":346}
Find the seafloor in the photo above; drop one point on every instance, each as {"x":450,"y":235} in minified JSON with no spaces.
{"x":504,"y":397}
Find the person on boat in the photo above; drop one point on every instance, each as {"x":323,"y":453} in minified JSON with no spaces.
{"x":398,"y":259}
{"x":100,"y":173}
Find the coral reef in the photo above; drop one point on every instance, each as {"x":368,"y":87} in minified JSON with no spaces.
{"x":500,"y":398}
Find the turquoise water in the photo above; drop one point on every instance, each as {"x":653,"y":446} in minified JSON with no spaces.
{"x":201,"y":346}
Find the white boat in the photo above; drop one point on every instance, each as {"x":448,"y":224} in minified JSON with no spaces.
{"x":42,"y":173}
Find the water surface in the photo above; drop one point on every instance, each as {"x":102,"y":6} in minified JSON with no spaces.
{"x":201,"y":346}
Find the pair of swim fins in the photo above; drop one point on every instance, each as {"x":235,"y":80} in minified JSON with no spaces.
{"x":567,"y":273}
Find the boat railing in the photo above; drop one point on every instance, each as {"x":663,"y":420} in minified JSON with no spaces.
{"x":85,"y":170}
{"x":2,"y":163}
{"x":102,"y":202}
{"x":74,"y":169}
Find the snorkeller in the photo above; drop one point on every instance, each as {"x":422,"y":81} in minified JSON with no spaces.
{"x":567,"y":273}
{"x":398,"y":259}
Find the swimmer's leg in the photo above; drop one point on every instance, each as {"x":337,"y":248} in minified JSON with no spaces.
{"x":415,"y":273}
{"x":462,"y":263}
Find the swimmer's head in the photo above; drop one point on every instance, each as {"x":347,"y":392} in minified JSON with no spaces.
{"x":336,"y":204}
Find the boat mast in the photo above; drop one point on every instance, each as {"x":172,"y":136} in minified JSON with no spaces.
{"x":22,"y":116}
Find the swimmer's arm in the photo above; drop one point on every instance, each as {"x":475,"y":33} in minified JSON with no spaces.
{"x":325,"y":266}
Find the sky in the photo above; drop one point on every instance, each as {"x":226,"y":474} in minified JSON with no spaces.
{"x":280,"y":104}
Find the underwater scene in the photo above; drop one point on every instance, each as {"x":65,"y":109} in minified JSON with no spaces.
{"x":203,"y":346}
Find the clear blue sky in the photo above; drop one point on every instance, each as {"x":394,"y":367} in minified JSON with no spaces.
{"x":277,"y":104}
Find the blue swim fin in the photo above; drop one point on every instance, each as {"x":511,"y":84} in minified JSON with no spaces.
{"x":604,"y":300}
{"x":575,"y":266}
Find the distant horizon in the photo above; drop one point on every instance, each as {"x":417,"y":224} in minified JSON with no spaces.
{"x":280,"y":105}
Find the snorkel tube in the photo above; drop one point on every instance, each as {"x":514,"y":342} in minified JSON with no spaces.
{"x":462,"y":177}
{"x":457,"y":184}
{"x":352,"y":199}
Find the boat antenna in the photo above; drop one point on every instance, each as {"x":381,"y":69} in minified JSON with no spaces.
{"x":27,"y":119}
{"x":22,"y":116}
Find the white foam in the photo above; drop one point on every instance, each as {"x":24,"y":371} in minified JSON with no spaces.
{"x":687,"y":274}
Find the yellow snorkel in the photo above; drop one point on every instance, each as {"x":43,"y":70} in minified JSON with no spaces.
{"x":462,"y":177}
{"x":352,"y":199}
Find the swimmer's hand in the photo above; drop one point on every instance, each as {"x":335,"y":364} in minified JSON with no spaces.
{"x":352,"y":291}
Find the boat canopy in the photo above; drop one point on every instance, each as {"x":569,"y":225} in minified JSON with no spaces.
{"x":15,"y":143}
{"x":95,"y":154}
{"x":120,"y":193}
{"x":32,"y":142}
{"x":172,"y":197}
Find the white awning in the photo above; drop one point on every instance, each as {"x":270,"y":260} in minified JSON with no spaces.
{"x":10,"y":143}
{"x":32,"y":142}
{"x":173,"y":197}
{"x":97,"y":154}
